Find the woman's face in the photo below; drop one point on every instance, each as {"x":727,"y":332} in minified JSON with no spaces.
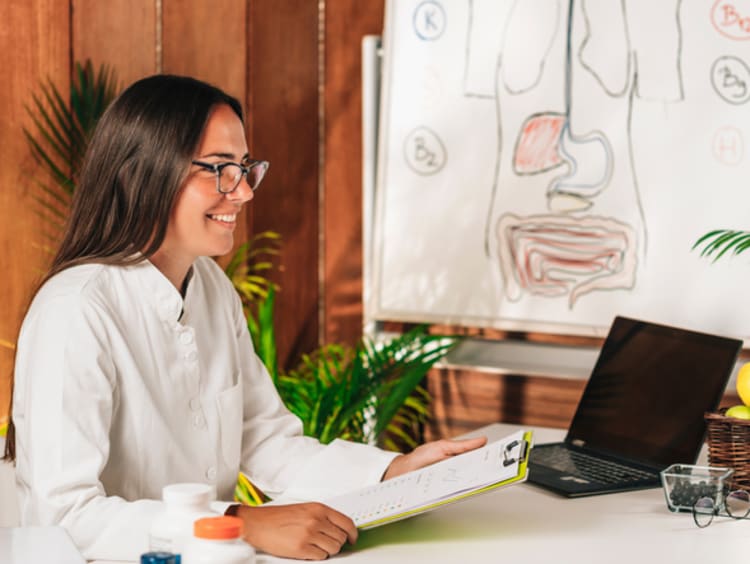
{"x":203,"y":220}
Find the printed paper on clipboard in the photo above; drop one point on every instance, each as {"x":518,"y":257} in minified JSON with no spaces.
{"x":498,"y":464}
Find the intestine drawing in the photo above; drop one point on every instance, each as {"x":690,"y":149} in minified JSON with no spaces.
{"x":565,"y":216}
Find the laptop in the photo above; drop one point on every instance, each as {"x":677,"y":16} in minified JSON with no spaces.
{"x":641,"y":410}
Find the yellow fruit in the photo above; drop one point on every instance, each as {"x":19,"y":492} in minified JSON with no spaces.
{"x":743,"y":383}
{"x":738,"y":412}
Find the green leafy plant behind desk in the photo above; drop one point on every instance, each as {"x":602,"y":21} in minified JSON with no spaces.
{"x":371,"y":392}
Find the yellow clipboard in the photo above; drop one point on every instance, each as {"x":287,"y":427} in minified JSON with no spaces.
{"x":506,"y":458}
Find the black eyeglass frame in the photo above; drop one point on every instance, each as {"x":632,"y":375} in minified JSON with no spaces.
{"x":216,"y":168}
{"x":708,"y":507}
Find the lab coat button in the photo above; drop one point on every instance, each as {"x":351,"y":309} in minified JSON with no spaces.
{"x":186,"y":337}
{"x":198,"y":421}
{"x":170,"y":310}
{"x":211,"y":473}
{"x":191,"y":356}
{"x":195,"y":404}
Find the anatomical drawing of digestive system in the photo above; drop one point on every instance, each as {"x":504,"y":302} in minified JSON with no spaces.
{"x":545,"y":165}
{"x":565,"y":217}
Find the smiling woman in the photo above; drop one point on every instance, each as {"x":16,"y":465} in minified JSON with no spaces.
{"x":148,"y":375}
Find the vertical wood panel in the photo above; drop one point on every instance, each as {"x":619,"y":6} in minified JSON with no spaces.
{"x":283,"y":99}
{"x":34,"y":37}
{"x":206,"y":40}
{"x":464,"y":400}
{"x":119,"y":33}
{"x":346,"y":23}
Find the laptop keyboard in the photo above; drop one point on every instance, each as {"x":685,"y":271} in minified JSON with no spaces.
{"x":586,"y":466}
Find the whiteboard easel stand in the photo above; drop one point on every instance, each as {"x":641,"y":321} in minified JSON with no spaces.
{"x":371,"y":65}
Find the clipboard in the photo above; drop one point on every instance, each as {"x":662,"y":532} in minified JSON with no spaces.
{"x":498,"y":464}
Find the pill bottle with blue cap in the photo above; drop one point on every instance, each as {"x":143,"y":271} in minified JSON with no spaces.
{"x":160,"y":558}
{"x":183,"y":505}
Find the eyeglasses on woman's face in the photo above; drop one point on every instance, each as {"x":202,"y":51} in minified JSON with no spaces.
{"x":229,"y":174}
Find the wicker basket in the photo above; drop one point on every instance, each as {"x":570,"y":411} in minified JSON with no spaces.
{"x":729,"y":446}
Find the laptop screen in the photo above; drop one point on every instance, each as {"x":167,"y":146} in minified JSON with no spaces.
{"x":649,"y":390}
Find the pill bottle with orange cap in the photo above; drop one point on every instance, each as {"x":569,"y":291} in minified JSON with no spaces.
{"x":218,"y":540}
{"x":183,"y":505}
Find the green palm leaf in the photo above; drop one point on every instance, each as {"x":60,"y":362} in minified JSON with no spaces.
{"x":721,"y":241}
{"x":61,"y":131}
{"x":371,"y":393}
{"x":260,"y":324}
{"x":246,"y":270}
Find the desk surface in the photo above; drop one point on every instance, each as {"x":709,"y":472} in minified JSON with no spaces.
{"x":525,"y":524}
{"x":48,"y":545}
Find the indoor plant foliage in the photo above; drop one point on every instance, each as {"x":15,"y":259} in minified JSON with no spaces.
{"x":370,"y":393}
{"x":718,"y":242}
{"x":63,"y":128}
{"x":246,"y":270}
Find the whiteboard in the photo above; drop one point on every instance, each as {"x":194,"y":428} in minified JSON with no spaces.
{"x":545,"y":165}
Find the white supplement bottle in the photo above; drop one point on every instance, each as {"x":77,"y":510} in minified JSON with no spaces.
{"x":183,"y":505}
{"x":218,"y":540}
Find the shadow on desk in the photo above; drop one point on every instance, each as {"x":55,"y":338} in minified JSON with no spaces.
{"x":493,"y":515}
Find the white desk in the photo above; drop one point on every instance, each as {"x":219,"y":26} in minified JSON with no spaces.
{"x":524,"y":524}
{"x":27,"y":545}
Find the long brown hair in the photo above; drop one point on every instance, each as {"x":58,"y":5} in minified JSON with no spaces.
{"x":135,"y":165}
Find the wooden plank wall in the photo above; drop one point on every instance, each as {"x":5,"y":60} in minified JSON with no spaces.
{"x":465,"y":399}
{"x":346,"y":23}
{"x":283,"y":94}
{"x":118,"y":33}
{"x":34,"y":38}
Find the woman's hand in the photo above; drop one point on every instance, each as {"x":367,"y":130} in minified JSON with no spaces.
{"x":429,"y":453}
{"x":309,"y":531}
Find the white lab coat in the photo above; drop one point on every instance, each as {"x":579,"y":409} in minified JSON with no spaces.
{"x":123,"y":387}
